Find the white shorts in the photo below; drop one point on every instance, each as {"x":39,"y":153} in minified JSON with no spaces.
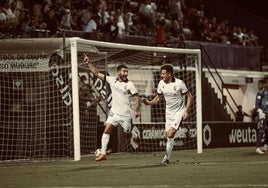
{"x":173,"y":122}
{"x":123,"y":121}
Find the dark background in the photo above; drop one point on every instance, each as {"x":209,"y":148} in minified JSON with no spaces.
{"x":251,"y":15}
{"x":258,"y":7}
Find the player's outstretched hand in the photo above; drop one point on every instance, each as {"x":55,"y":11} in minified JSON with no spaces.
{"x":145,"y":101}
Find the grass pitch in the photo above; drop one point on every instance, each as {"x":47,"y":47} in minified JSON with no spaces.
{"x":222,"y":167}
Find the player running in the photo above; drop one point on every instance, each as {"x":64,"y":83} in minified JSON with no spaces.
{"x":178,"y":101}
{"x":120,"y":112}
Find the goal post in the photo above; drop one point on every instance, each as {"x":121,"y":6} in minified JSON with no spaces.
{"x":52,"y":107}
{"x":144,"y":64}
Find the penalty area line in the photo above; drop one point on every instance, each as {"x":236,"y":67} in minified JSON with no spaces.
{"x":167,"y":186}
{"x":229,"y":162}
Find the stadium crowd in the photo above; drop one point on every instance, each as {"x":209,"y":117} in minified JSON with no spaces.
{"x":166,"y":20}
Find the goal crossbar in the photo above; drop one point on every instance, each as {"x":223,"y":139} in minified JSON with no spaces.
{"x":54,"y":107}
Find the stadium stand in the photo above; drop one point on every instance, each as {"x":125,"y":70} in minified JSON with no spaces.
{"x":135,"y":18}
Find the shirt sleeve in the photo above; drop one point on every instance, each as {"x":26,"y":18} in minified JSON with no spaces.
{"x":184,"y":89}
{"x":132,"y":88}
{"x":159,"y":88}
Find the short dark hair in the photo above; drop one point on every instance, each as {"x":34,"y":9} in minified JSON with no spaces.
{"x":167,"y":67}
{"x":119,"y":67}
{"x":262,"y":81}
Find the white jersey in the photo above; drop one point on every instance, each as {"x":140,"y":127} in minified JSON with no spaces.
{"x":173,"y":94}
{"x":121,"y":93}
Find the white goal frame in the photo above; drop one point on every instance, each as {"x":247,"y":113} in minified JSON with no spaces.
{"x":54,"y":107}
{"x":75,"y":42}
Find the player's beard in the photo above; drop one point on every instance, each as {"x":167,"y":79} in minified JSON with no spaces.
{"x":123,"y":77}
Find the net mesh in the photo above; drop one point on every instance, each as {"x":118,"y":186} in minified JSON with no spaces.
{"x":37,"y":119}
{"x":37,"y":103}
{"x":144,"y":67}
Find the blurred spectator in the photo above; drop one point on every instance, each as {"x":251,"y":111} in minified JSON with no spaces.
{"x":26,"y":28}
{"x":137,"y":27}
{"x":51,"y":22}
{"x":103,"y":4}
{"x":37,"y":21}
{"x":3,"y":18}
{"x":36,"y":13}
{"x":160,"y":33}
{"x":93,"y":26}
{"x":121,"y":24}
{"x":238,"y":36}
{"x":128,"y":19}
{"x":66,"y":20}
{"x":19,"y":5}
{"x":46,"y":5}
{"x":134,"y":18}
{"x":175,"y":30}
{"x":75,"y":23}
{"x":67,"y":5}
{"x":85,"y":15}
{"x":176,"y":9}
{"x":6,"y":9}
{"x":110,"y":29}
{"x":252,"y":39}
{"x":15,"y":10}
{"x":147,"y":15}
{"x":103,"y":13}
{"x":240,"y":114}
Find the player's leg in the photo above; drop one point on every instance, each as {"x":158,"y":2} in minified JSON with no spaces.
{"x":171,"y":128}
{"x":265,"y":147}
{"x":169,"y":145}
{"x":131,"y":132}
{"x":105,"y":141}
{"x":110,"y":123}
{"x":260,"y":133}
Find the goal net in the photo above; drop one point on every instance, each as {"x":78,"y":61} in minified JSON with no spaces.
{"x":53,"y":107}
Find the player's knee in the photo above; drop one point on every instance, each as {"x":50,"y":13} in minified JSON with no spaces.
{"x":108,"y":129}
{"x":171,"y":133}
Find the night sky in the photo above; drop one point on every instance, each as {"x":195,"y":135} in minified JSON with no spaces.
{"x":255,"y":7}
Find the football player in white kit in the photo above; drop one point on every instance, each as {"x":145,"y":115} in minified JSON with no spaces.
{"x":178,"y":101}
{"x":120,"y":113}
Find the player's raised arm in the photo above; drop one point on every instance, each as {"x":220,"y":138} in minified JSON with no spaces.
{"x":93,"y":69}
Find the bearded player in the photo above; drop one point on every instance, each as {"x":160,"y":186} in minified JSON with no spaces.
{"x":120,"y":113}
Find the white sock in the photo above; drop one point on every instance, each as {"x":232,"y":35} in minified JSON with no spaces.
{"x":104,"y":143}
{"x":169,"y":146}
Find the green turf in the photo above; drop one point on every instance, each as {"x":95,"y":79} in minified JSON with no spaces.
{"x":224,"y":167}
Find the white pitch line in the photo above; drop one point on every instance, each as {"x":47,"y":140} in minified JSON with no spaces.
{"x":142,"y":164}
{"x":166,"y":186}
{"x":236,"y":162}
